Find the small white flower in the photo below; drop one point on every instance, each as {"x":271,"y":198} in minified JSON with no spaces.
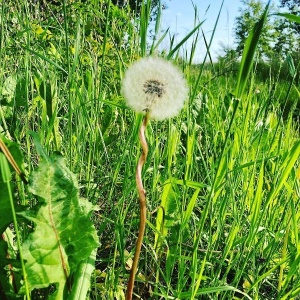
{"x":154,"y":84}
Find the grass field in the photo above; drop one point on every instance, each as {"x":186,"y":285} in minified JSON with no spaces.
{"x":222,"y":179}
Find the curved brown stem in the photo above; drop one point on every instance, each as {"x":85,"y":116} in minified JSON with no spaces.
{"x":142,"y":197}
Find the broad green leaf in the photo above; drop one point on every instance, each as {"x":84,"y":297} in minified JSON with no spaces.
{"x":64,"y":236}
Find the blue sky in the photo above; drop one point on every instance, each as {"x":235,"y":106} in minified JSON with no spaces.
{"x":179,"y":17}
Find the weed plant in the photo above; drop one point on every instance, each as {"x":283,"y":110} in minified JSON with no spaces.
{"x":222,"y":178}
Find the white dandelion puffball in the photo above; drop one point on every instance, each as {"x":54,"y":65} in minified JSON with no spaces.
{"x":156,"y":85}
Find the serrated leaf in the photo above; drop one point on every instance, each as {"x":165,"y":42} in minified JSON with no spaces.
{"x":64,"y":235}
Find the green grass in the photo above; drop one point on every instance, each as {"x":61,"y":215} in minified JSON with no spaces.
{"x":226,"y":170}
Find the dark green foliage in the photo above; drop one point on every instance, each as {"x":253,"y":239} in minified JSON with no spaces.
{"x":10,"y":280}
{"x":278,"y":35}
{"x":293,"y":7}
{"x":249,"y":15}
{"x":5,"y":206}
{"x":291,"y":4}
{"x":136,"y":5}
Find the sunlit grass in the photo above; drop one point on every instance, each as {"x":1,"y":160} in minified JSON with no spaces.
{"x":226,"y":171}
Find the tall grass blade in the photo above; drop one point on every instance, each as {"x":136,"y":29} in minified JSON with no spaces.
{"x":47,"y":60}
{"x":177,"y":47}
{"x":207,"y":52}
{"x":287,"y":165}
{"x":249,"y":53}
{"x":144,"y":22}
{"x":290,"y":17}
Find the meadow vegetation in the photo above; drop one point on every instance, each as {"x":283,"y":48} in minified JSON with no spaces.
{"x":222,"y":178}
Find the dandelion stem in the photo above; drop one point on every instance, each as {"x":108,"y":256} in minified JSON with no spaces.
{"x":142,"y":197}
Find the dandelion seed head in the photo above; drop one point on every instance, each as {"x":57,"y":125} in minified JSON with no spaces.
{"x":156,"y":85}
{"x":153,"y":87}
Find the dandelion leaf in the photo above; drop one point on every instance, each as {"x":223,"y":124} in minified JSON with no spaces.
{"x":64,"y":236}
